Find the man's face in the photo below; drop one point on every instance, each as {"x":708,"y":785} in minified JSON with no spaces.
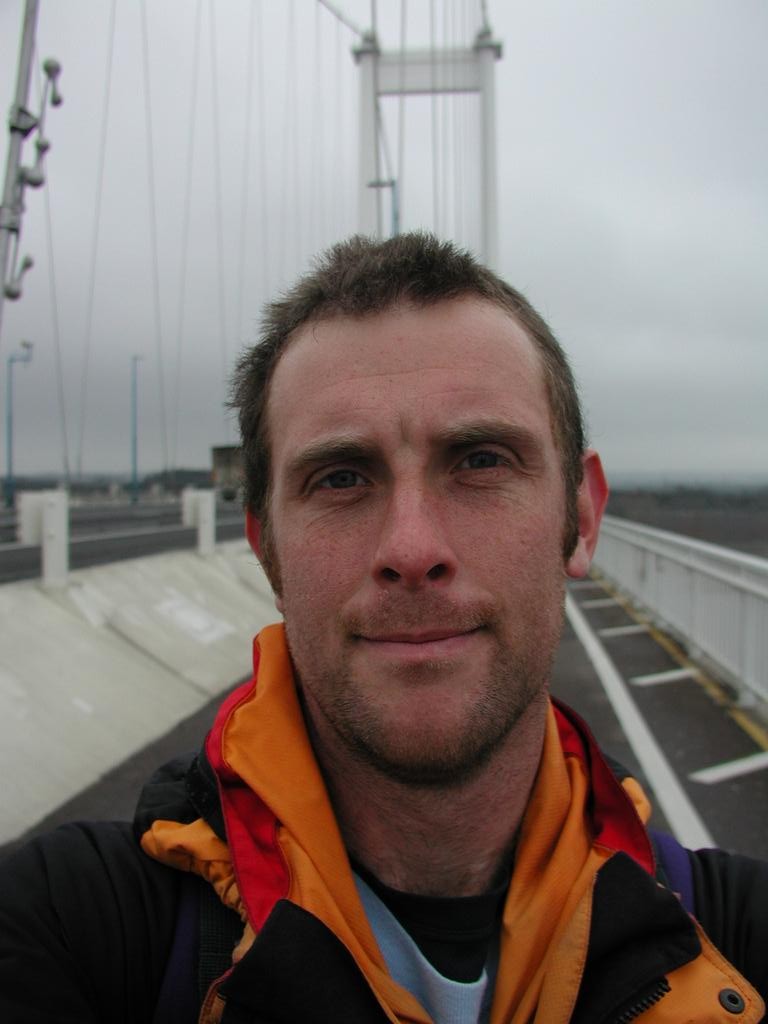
{"x":417,"y":516}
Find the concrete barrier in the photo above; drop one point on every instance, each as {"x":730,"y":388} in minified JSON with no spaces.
{"x":94,"y":669}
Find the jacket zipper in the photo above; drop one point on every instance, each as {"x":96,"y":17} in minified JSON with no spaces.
{"x":660,"y":989}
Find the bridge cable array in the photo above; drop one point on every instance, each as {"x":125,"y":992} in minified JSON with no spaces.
{"x":304,"y":195}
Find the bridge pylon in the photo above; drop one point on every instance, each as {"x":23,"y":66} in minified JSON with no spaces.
{"x":428,"y":72}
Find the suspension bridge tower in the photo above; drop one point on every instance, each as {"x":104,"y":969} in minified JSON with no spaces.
{"x":428,"y":72}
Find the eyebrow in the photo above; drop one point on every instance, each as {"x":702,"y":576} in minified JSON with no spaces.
{"x":492,"y":431}
{"x":343,"y":448}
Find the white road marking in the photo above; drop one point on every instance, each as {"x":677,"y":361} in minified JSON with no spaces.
{"x":634,"y":627}
{"x":669,"y":676}
{"x":682,"y":816}
{"x":193,"y":619}
{"x":731,"y":769}
{"x":598,"y":602}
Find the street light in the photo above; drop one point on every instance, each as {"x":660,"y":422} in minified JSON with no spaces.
{"x":135,"y":360}
{"x":21,"y":123}
{"x":23,"y":356}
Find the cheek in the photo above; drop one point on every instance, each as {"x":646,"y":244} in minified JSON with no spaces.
{"x":329,"y":549}
{"x":525,"y":569}
{"x":317,"y":577}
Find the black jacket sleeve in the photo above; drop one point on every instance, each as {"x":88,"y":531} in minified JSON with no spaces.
{"x":86,"y":925}
{"x":731,"y":895}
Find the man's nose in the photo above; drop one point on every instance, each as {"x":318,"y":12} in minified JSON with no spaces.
{"x":413,"y":549}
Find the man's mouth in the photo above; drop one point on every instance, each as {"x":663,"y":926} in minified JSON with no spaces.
{"x":416,"y":646}
{"x":424,"y":636}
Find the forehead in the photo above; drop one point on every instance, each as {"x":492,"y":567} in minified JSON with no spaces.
{"x":463,"y":356}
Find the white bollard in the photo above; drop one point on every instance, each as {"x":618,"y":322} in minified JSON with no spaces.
{"x":55,"y":539}
{"x":188,"y":500}
{"x":29,"y":516}
{"x":206,"y":522}
{"x":198,"y":508}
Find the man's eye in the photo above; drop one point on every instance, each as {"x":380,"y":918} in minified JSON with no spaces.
{"x":481,"y":460}
{"x":341,"y":479}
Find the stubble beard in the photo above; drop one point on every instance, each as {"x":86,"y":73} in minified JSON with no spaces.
{"x":420,"y":758}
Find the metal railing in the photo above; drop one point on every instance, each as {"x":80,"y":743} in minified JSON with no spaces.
{"x":714,"y":600}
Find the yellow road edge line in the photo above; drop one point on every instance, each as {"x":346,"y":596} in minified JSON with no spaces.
{"x":758,"y":732}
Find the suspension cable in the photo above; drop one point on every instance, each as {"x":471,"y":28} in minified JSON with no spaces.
{"x":378,"y":128}
{"x":342,"y":18}
{"x":219,"y":211}
{"x":184,"y":261}
{"x":317,"y":154}
{"x":55,"y":315}
{"x":265,"y":248}
{"x":83,"y":404}
{"x":338,"y":105}
{"x":458,"y":136}
{"x":401,"y":105}
{"x":445,"y":132}
{"x":153,"y":234}
{"x":293,"y":121}
{"x":385,"y":148}
{"x":245,"y":219}
{"x":289,"y":170}
{"x":433,"y":108}
{"x":57,"y":338}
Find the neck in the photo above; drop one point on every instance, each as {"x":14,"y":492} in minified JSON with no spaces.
{"x":427,"y":840}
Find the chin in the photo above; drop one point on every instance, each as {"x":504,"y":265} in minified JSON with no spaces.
{"x":430,"y":756}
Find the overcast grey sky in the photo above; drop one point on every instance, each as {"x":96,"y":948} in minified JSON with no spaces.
{"x":633,"y":209}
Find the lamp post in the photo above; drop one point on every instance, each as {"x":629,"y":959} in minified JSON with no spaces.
{"x":23,"y":356}
{"x":135,"y":360}
{"x":21,"y":123}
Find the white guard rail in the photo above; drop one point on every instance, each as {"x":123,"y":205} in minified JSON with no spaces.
{"x":713,"y":599}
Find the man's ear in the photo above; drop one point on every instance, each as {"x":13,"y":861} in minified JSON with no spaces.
{"x":254,"y":534}
{"x":590,"y":504}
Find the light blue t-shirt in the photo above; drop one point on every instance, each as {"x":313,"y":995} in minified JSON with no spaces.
{"x":446,"y":1001}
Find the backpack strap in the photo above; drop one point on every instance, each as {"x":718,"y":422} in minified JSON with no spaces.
{"x":201,"y":951}
{"x":674,"y":867}
{"x":178,"y":1002}
{"x":220,"y":929}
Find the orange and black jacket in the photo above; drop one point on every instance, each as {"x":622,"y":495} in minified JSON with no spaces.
{"x":94,"y":930}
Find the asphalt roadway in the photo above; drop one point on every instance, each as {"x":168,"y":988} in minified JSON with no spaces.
{"x":24,"y":561}
{"x":690,"y":720}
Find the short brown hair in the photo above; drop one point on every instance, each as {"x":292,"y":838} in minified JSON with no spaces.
{"x":363,"y":276}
